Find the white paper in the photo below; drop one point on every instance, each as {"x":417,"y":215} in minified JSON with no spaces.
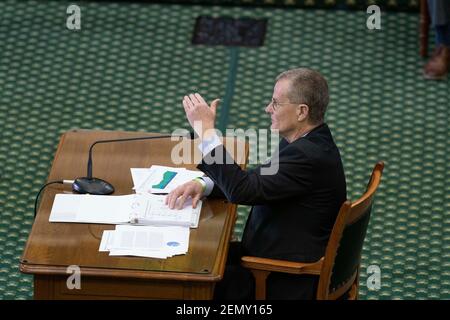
{"x":140,"y":209}
{"x":135,"y":253}
{"x":65,"y":207}
{"x":151,"y":210}
{"x":146,"y":241}
{"x":106,"y":242}
{"x":83,"y":208}
{"x":105,"y":209}
{"x":138,"y":175}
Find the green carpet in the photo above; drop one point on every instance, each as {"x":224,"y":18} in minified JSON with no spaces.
{"x":130,"y":65}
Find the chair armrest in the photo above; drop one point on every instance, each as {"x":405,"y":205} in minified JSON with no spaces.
{"x":273,"y":265}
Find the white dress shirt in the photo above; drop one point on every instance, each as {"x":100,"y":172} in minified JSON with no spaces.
{"x":206,"y":146}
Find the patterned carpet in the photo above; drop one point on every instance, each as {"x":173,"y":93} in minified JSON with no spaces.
{"x":130,"y":64}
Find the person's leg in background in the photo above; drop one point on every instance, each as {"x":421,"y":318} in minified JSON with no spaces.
{"x":439,"y":64}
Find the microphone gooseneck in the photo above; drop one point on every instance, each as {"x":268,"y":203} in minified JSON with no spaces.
{"x":98,"y":186}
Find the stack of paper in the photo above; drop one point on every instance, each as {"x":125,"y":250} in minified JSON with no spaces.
{"x":143,"y":209}
{"x":162,"y":232}
{"x":161,"y":179}
{"x":145,"y":241}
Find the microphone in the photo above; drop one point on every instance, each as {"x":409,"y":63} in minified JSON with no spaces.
{"x":98,"y":186}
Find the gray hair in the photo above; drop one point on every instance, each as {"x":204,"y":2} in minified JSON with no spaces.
{"x":309,"y":87}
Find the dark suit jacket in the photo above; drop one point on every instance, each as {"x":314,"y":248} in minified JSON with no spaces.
{"x":295,"y":209}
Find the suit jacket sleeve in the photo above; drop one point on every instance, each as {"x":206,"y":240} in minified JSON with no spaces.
{"x":216,"y":192}
{"x":293,"y":178}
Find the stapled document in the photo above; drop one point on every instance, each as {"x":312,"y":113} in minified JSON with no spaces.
{"x":145,"y":241}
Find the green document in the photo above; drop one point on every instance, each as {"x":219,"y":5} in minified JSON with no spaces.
{"x":167,"y":177}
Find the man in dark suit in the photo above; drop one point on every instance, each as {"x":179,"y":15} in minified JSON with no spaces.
{"x":294,"y":208}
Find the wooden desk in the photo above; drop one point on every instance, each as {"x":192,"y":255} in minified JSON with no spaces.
{"x":52,"y":247}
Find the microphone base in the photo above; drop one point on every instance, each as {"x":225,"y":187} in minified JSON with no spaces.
{"x":92,"y":186}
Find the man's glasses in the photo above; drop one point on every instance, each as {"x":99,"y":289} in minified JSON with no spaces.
{"x":276,"y":105}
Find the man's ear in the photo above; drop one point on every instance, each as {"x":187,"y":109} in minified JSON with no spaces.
{"x":302,"y":112}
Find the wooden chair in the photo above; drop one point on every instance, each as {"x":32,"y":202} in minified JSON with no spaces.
{"x":424,"y":28}
{"x":338,"y":269}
